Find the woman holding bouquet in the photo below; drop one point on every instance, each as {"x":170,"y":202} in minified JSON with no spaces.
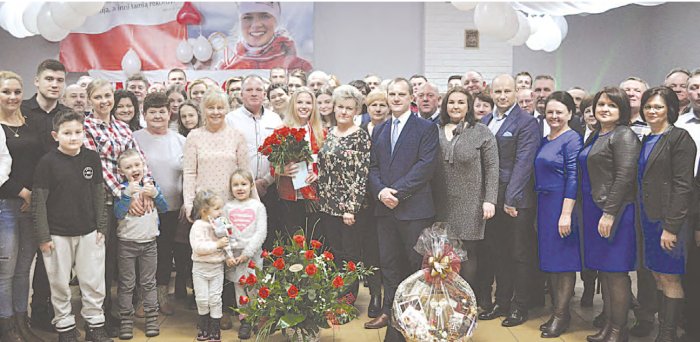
{"x":343,"y":163}
{"x":296,"y":203}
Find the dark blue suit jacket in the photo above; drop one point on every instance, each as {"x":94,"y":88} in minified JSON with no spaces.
{"x":409,"y":170}
{"x":518,"y":140}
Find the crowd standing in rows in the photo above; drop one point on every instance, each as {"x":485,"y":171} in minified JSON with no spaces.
{"x":536,"y":184}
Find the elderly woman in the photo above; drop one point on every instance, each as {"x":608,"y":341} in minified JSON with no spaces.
{"x":176,"y":97}
{"x":556,"y":184}
{"x":126,"y":109}
{"x":324,"y":101}
{"x":273,"y":48}
{"x":303,"y":113}
{"x":483,"y":105}
{"x":18,"y":245}
{"x":377,"y":110}
{"x":196,"y":90}
{"x":588,"y":117}
{"x":664,"y":194}
{"x":163,"y":149}
{"x":466,"y":180}
{"x":110,"y":137}
{"x":343,"y":164}
{"x":607,"y":167}
{"x":278,"y":95}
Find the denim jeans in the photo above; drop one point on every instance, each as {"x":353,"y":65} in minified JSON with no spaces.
{"x":17,"y":250}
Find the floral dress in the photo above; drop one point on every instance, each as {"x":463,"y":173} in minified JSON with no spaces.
{"x":343,"y":164}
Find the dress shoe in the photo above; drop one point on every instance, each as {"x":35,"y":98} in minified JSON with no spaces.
{"x":495,"y":312}
{"x":641,"y":328}
{"x":375,"y":306}
{"x":379,"y":322}
{"x":515,"y":317}
{"x":600,"y":320}
{"x":600,"y":335}
{"x":558,"y":327}
{"x":617,"y":334}
{"x":546,"y":325}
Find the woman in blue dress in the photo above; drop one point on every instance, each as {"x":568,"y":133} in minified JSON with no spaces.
{"x":608,"y":166}
{"x":556,"y":184}
{"x":665,"y":187}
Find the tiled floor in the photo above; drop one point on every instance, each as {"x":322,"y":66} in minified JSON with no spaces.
{"x":181,"y":326}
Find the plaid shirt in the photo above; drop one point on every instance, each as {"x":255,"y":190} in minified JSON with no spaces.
{"x":110,"y":141}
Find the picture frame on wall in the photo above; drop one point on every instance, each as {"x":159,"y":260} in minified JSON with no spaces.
{"x":471,"y":39}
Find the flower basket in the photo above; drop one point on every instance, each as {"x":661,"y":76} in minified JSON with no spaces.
{"x":297,"y":289}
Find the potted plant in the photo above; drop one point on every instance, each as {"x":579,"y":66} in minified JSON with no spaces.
{"x":296,"y":290}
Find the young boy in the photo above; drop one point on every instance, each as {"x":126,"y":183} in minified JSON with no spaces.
{"x":70,"y":218}
{"x":137,"y":243}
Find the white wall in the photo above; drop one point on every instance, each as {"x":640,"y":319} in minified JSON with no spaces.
{"x":445,"y":54}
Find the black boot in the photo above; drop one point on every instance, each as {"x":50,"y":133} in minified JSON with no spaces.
{"x":375,"y":306}
{"x":68,"y":336}
{"x":214,"y":329}
{"x":601,"y":334}
{"x":22,"y":326}
{"x":560,"y":323}
{"x":96,"y":334}
{"x":203,"y":328}
{"x":245,"y":330}
{"x":669,"y":318}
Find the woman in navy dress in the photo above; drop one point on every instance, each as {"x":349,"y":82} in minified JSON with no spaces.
{"x":665,"y":186}
{"x":608,"y":166}
{"x":556,"y":184}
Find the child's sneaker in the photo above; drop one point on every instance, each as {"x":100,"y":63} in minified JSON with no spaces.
{"x":152,"y":327}
{"x":126,"y":328}
{"x":215,"y":330}
{"x":96,"y":334}
{"x":68,"y":336}
{"x":203,"y":328}
{"x":245,"y":330}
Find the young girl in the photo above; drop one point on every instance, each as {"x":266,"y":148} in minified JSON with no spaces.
{"x":189,"y":116}
{"x":248,"y":217}
{"x":208,"y":264}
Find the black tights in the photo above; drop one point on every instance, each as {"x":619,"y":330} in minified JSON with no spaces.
{"x":562,"y":285}
{"x":468,"y":268}
{"x":617,"y":296}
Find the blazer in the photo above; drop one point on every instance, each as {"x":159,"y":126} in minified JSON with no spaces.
{"x":408,"y":170}
{"x":518,"y":140}
{"x":667,"y":179}
{"x":612,"y":167}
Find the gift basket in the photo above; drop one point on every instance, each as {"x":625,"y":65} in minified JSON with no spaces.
{"x":435,"y":303}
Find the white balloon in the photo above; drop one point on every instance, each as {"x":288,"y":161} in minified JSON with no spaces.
{"x":87,"y":8}
{"x":29,"y":16}
{"x":490,"y":18}
{"x":11,"y":18}
{"x":64,"y":16}
{"x":131,"y":63}
{"x":47,"y":27}
{"x":511,"y":27}
{"x":184,"y":52}
{"x":552,"y":34}
{"x":202,"y":49}
{"x":464,"y":6}
{"x":523,"y":31}
{"x":562,"y":24}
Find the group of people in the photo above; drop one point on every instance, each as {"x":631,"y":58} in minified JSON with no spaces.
{"x":113,"y":186}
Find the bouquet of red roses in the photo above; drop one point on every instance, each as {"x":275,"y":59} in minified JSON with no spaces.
{"x":286,"y":145}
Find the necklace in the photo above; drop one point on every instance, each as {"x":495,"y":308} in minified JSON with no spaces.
{"x":15,"y":131}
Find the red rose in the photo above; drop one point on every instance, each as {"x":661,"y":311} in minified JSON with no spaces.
{"x":311,"y":269}
{"x":251,"y":264}
{"x":299,"y":240}
{"x":264,"y":292}
{"x":316,"y":244}
{"x":264,"y":254}
{"x":251,"y":280}
{"x":292,"y":292}
{"x":243,"y":300}
{"x":278,"y":251}
{"x":242,"y":280}
{"x":299,"y":137}
{"x":279,"y":264}
{"x":310,"y":254}
{"x":328,"y":255}
{"x":351,"y":266}
{"x":338,"y":282}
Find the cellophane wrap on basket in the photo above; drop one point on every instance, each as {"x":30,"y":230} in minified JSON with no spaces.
{"x":435,"y":303}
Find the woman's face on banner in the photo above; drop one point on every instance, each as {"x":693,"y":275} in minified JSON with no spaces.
{"x":258,"y":28}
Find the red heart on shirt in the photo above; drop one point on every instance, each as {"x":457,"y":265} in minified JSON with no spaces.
{"x":241,"y":218}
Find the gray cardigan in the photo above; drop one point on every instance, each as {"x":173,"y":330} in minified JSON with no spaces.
{"x":465,"y":178}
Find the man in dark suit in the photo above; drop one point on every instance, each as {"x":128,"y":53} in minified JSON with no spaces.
{"x":510,"y":236}
{"x":402,"y":163}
